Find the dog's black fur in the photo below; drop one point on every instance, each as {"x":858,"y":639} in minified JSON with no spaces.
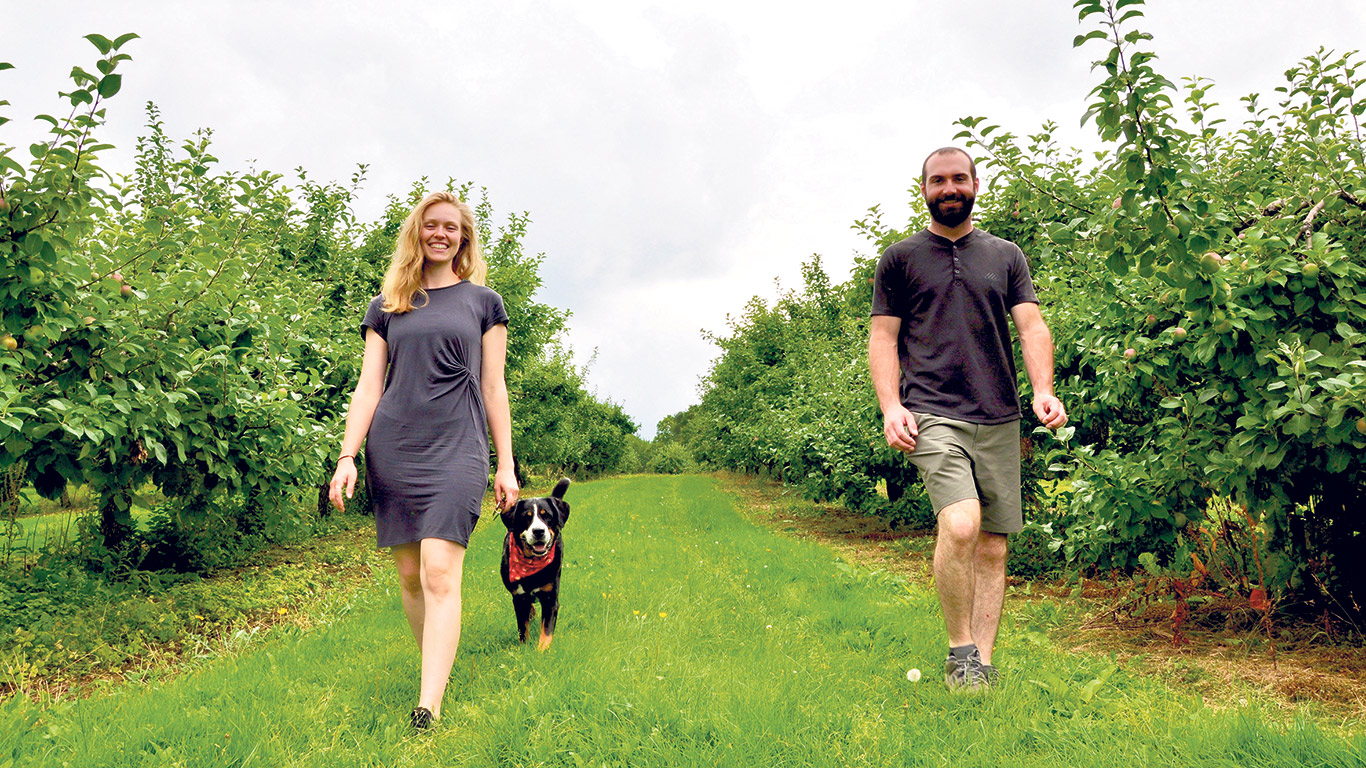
{"x":544,"y":585}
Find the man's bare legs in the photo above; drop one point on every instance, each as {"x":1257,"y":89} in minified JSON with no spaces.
{"x":989,"y":591}
{"x":954,"y":558}
{"x":969,"y":572}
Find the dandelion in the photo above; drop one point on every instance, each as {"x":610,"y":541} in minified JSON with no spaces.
{"x":913,"y":675}
{"x":662,"y":614}
{"x":282,"y":610}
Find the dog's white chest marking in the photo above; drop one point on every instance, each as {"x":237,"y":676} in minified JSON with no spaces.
{"x":518,"y":590}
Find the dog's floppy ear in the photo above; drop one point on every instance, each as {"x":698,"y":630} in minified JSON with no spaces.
{"x":560,"y":505}
{"x":510,"y":515}
{"x":560,"y":488}
{"x":561,"y":508}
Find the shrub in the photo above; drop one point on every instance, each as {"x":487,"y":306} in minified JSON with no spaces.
{"x":671,"y":459}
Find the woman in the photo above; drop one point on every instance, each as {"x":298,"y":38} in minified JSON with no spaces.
{"x":432,"y":378}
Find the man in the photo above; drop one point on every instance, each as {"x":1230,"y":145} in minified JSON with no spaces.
{"x":943,"y":365}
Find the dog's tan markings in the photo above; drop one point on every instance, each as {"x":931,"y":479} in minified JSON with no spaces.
{"x":545,"y":588}
{"x":544,"y":642}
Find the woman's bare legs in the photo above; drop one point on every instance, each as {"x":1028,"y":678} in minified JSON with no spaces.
{"x":430,"y":578}
{"x":408,"y":560}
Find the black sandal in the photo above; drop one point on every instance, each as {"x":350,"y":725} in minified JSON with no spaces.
{"x":421,"y":719}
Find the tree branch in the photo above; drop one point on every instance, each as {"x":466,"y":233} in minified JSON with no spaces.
{"x":1307,"y":229}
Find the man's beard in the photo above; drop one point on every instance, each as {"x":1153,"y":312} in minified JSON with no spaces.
{"x":951,"y":219}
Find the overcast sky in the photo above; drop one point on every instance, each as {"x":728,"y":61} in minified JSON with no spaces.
{"x":675,"y":158}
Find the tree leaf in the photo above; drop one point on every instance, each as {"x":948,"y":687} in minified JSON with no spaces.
{"x":101,"y":42}
{"x":110,"y":84}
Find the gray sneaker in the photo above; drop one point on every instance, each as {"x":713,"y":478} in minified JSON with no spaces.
{"x":990,"y":674}
{"x":965,"y":674}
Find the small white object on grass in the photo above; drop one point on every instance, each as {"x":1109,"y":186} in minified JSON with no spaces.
{"x":913,"y":675}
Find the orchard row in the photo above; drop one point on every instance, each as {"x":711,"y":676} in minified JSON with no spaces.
{"x":196,"y":328}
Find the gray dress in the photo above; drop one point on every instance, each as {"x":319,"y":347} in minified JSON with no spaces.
{"x":427,"y":451}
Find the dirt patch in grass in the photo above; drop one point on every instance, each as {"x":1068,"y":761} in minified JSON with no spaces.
{"x":1220,"y":651}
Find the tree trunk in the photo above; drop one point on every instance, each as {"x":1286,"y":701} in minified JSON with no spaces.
{"x":894,"y":489}
{"x":116,"y":516}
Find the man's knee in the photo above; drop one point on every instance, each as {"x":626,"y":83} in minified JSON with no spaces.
{"x":991,"y":548}
{"x":960,"y":523}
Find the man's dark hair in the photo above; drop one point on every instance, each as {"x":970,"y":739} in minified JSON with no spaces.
{"x":972,"y":167}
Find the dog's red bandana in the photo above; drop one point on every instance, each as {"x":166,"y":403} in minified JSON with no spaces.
{"x":520,"y":566}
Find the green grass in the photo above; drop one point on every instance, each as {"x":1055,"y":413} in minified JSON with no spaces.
{"x":688,"y":636}
{"x":38,"y":531}
{"x":63,"y":628}
{"x":41,"y":522}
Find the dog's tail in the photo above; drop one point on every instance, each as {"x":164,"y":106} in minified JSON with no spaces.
{"x":560,"y":488}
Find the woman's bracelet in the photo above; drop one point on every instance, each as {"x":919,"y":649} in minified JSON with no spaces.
{"x":350,"y":456}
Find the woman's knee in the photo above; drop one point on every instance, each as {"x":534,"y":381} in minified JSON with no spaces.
{"x":408,"y":563}
{"x":442,"y":564}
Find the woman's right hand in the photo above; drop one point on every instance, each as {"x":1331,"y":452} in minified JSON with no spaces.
{"x":344,"y":479}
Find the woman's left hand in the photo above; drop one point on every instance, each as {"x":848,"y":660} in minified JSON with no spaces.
{"x":505,"y":489}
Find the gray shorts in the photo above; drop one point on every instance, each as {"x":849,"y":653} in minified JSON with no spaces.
{"x":960,"y":460}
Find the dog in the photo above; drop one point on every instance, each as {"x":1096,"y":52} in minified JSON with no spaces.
{"x":532,"y":555}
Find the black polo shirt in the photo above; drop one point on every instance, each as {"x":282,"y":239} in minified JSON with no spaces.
{"x":954,"y":299}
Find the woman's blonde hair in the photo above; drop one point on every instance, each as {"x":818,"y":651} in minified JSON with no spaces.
{"x":403,"y":280}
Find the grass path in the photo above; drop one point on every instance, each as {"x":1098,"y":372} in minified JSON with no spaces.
{"x":687,"y":637}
